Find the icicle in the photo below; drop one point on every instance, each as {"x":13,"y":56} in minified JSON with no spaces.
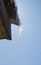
{"x":20,"y":35}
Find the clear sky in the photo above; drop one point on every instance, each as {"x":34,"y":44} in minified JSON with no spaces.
{"x":11,"y":52}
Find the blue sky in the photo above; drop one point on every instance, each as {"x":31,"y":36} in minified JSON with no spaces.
{"x":11,"y":52}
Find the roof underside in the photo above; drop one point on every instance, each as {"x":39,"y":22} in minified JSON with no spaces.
{"x":8,"y":15}
{"x":3,"y":33}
